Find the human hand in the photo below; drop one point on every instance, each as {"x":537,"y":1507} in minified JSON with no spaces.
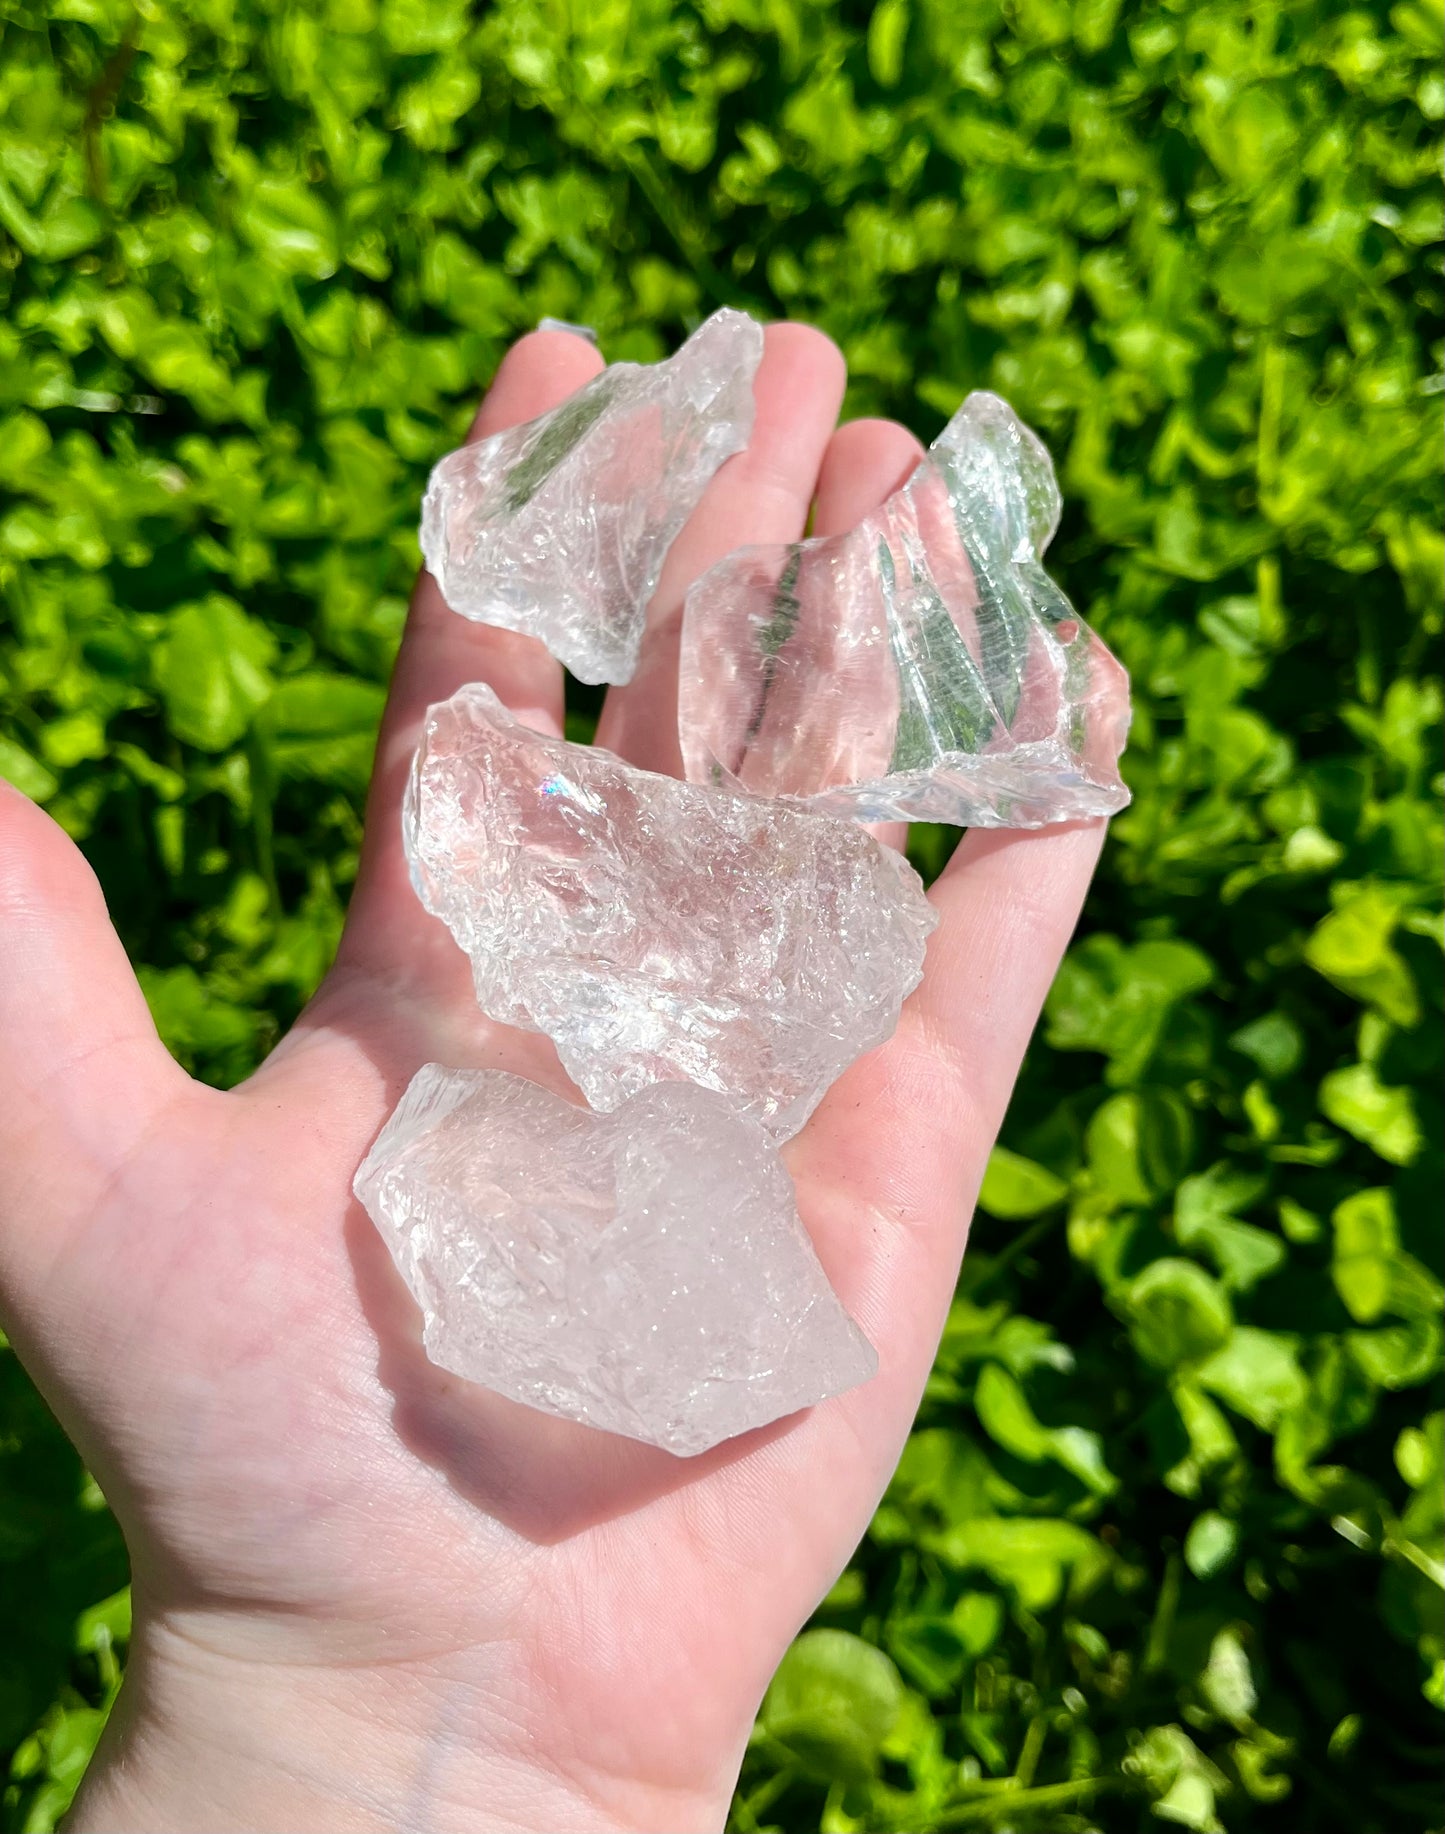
{"x":367,"y":1594}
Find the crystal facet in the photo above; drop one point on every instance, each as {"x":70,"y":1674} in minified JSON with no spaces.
{"x":643,"y":1271}
{"x":922,"y":666}
{"x":655,"y":929}
{"x":559,"y":527}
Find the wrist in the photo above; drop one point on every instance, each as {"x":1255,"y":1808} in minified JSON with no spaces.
{"x":232,"y":1745}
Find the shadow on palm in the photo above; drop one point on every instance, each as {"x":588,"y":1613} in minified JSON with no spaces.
{"x":542,"y":1478}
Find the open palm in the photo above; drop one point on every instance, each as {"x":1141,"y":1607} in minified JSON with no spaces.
{"x":367,"y":1594}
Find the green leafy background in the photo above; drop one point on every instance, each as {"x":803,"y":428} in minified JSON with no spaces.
{"x":1166,"y":1544}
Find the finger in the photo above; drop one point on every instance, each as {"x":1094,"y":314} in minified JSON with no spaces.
{"x":1008,"y":902}
{"x":440,"y":651}
{"x":866,"y":461}
{"x":83,"y":1074}
{"x":905,"y":1134}
{"x":761,"y":495}
{"x":892,"y":1161}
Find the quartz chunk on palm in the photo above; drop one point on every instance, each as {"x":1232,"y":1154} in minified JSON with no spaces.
{"x":644,"y":1271}
{"x":559,"y":527}
{"x":658,"y":930}
{"x":922,"y":666}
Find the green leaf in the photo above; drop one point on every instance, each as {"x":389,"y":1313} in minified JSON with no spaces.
{"x":1138,"y":1145}
{"x":1204,"y":1218}
{"x":1039,"y":1561}
{"x":322,"y":728}
{"x":1015,"y":1188}
{"x":316,"y":704}
{"x":27,"y":773}
{"x":413,"y":27}
{"x":1177,"y":1313}
{"x":978,"y":1618}
{"x":104,"y":1624}
{"x":832,"y":1703}
{"x":1352,"y":948}
{"x":212,"y":671}
{"x":1384,"y":1118}
{"x":1212,"y":1445}
{"x":1372,"y":1273}
{"x":1257,"y":1373}
{"x":1009,"y":1420}
{"x":1211,"y":1544}
{"x":1227,"y":1682}
{"x":1119,"y":1000}
{"x":193,"y":1020}
{"x":1399,"y":1356}
{"x":65,"y":226}
{"x":887,"y":31}
{"x":1367,"y":1240}
{"x":291,"y":227}
{"x":1420,"y":1456}
{"x":1274,"y":1044}
{"x":1183,"y":1783}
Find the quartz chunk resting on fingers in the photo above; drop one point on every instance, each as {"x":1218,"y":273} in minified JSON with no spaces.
{"x":559,"y":527}
{"x":922,"y":666}
{"x":643,"y":1271}
{"x":658,"y":930}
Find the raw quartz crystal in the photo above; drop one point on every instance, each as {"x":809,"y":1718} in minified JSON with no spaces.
{"x":658,"y":930}
{"x":559,"y":527}
{"x":923,"y":665}
{"x":643,"y":1271}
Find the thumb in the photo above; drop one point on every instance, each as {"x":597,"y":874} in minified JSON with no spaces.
{"x":82,"y":1071}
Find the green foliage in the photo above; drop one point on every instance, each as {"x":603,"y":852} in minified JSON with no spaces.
{"x":1173,"y":1555}
{"x":65,"y":1612}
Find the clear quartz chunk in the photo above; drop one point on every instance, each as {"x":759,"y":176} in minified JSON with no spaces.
{"x":657,"y":930}
{"x":559,"y":527}
{"x":643,"y":1271}
{"x":922,"y":666}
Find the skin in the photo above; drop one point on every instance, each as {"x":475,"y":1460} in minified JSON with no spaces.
{"x":368,"y":1595}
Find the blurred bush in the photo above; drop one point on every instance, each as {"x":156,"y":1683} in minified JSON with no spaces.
{"x":1167,"y":1542}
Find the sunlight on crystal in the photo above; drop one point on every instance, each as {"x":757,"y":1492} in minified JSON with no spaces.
{"x":559,"y":527}
{"x":643,"y":1271}
{"x":658,"y":930}
{"x":922,"y":666}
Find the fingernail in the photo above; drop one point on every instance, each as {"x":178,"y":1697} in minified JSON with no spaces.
{"x":562,"y":324}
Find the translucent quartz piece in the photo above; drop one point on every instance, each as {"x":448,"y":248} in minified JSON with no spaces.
{"x":922,"y":666}
{"x":559,"y":527}
{"x":655,"y":929}
{"x":643,"y":1271}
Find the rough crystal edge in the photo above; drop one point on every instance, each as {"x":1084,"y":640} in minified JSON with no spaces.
{"x":720,"y":442}
{"x":984,"y":416}
{"x":587,"y":332}
{"x":941,"y":793}
{"x":780,"y":1124}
